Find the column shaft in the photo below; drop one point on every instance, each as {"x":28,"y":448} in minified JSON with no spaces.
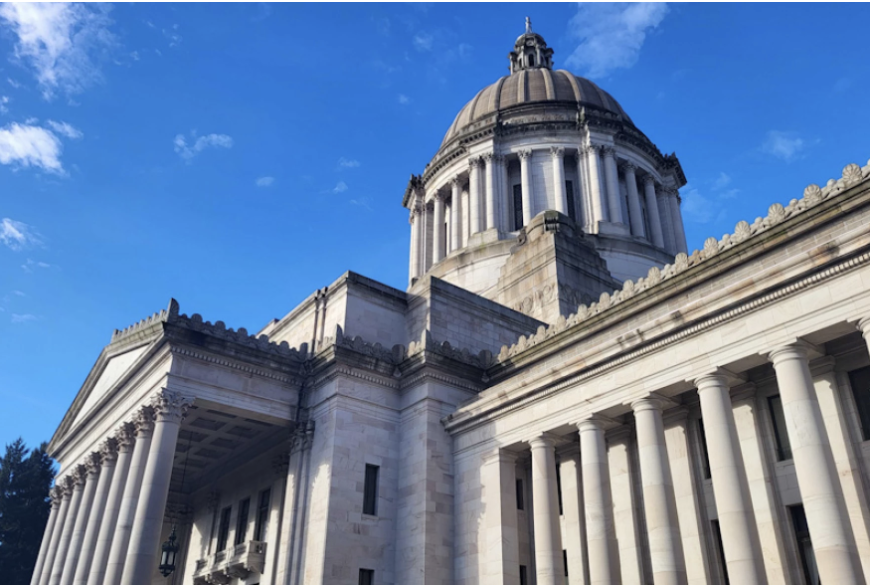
{"x":74,"y":553}
{"x":438,"y":232}
{"x":526,"y":181}
{"x":660,"y":506}
{"x":68,"y":527}
{"x":600,"y":537}
{"x":679,"y":232}
{"x":500,"y":558}
{"x":455,"y":214}
{"x":830,"y":531}
{"x":89,"y":543}
{"x":545,"y":500}
{"x":574,"y":540}
{"x":582,"y":188}
{"x":132,"y":489}
{"x":46,"y":537}
{"x":730,"y":485}
{"x":142,"y":556}
{"x":664,"y":207}
{"x":652,"y":210}
{"x":614,"y":204}
{"x":561,"y":201}
{"x":414,"y":266}
{"x":635,"y":213}
{"x":597,"y":196}
{"x":474,"y":195}
{"x":57,"y":532}
{"x":490,"y":181}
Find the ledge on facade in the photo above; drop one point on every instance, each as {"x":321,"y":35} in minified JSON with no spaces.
{"x":233,"y":563}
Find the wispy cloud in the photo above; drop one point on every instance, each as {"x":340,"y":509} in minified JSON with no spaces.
{"x":32,"y":265}
{"x":264,"y":182}
{"x":61,"y":42}
{"x":22,"y":318}
{"x":723,"y":180}
{"x":65,"y":129}
{"x":189,"y":151}
{"x":173,"y":37}
{"x":611,"y":34}
{"x":344,"y":163}
{"x":3,"y":107}
{"x":30,"y":146}
{"x":706,"y":203}
{"x":362,"y":203}
{"x":403,"y":99}
{"x":13,"y":83}
{"x":18,"y":235}
{"x":423,"y":41}
{"x":339,"y":188}
{"x":783,"y":145}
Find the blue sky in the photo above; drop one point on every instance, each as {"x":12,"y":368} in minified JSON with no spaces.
{"x":237,"y":157}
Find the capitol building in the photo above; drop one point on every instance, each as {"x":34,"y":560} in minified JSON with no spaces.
{"x":562,"y":394}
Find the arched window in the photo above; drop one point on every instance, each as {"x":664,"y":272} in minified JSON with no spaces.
{"x":531,"y":60}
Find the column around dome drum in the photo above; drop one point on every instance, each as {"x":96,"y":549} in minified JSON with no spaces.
{"x":489,"y":179}
{"x":526,"y":181}
{"x":612,"y":186}
{"x":474,"y":195}
{"x":561,"y":202}
{"x":652,"y":209}
{"x":635,"y":212}
{"x":438,"y":232}
{"x":455,"y":213}
{"x":597,"y":196}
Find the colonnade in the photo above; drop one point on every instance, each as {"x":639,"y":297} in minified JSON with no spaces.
{"x":832,"y":536}
{"x":107,"y":514}
{"x":480,"y":199}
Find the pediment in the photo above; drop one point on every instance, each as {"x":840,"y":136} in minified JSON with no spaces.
{"x":113,"y":370}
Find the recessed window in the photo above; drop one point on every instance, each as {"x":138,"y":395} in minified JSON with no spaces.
{"x":559,"y":486}
{"x":520,"y":500}
{"x":370,"y":494}
{"x":565,"y":562}
{"x":783,"y":445}
{"x":705,"y":456}
{"x":524,"y":575}
{"x":242,"y":521}
{"x":262,"y":515}
{"x":366,"y":577}
{"x":569,"y":196}
{"x":860,"y":380}
{"x":804,"y":545}
{"x":224,"y":529}
{"x":518,"y":206}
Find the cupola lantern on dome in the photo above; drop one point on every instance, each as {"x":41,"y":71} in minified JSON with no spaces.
{"x":530,"y":51}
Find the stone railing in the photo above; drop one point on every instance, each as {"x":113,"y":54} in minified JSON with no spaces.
{"x":776,"y":214}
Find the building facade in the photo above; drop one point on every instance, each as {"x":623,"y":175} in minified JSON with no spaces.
{"x":562,"y":395}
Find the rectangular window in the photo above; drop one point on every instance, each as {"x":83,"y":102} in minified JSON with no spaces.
{"x":860,"y":380}
{"x":559,"y":486}
{"x":705,"y":456}
{"x":262,"y":515}
{"x":565,"y":562}
{"x":242,"y":521}
{"x":370,"y":495}
{"x":783,"y":446}
{"x":720,"y":553}
{"x":224,"y":529}
{"x":366,"y":577}
{"x":569,"y":197}
{"x":520,"y":501}
{"x":524,"y":575}
{"x":518,"y":207}
{"x":804,"y":545}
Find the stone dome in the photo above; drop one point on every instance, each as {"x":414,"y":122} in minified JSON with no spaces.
{"x":533,"y":86}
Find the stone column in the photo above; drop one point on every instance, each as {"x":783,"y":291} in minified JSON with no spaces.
{"x":74,"y":553}
{"x":169,"y":408}
{"x":545,"y":501}
{"x":438,"y":229}
{"x":600,"y":537}
{"x":660,"y":508}
{"x":64,"y":489}
{"x":730,"y":485}
{"x":79,"y":476}
{"x":474,"y":195}
{"x":597,"y":196}
{"x":679,"y":231}
{"x":144,"y":423}
{"x":831,"y":534}
{"x":526,"y":181}
{"x":664,"y":207}
{"x":124,"y":436}
{"x":56,"y":497}
{"x":414,"y":266}
{"x":582,"y":188}
{"x":490,"y":180}
{"x":455,"y":214}
{"x":611,"y":175}
{"x":503,"y":194}
{"x":635,"y":213}
{"x":561,"y":203}
{"x":627,"y":506}
{"x":652,"y":210}
{"x":574,"y":539}
{"x":499,"y":557}
{"x":108,"y":456}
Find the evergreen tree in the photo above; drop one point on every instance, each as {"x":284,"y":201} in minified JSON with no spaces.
{"x":25,"y":480}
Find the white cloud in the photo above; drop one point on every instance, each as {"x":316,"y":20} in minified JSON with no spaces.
{"x":611,"y":34}
{"x":60,"y":42}
{"x":3,"y":101}
{"x":264,"y":182}
{"x":695,"y":207}
{"x":783,"y":145}
{"x":65,"y":129}
{"x":363,"y":203}
{"x":723,"y":180}
{"x":423,"y":41}
{"x":348,"y":163}
{"x":403,"y":99}
{"x":30,"y":265}
{"x":188,"y":152}
{"x":21,"y":318}
{"x":13,"y":83}
{"x":339,"y":188}
{"x":30,"y":146}
{"x":17,"y":235}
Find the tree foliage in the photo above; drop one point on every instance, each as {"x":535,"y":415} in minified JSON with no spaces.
{"x":25,"y":480}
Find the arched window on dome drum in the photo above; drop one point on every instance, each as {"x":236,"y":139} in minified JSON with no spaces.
{"x":518,"y":206}
{"x":531,"y":60}
{"x":569,"y":195}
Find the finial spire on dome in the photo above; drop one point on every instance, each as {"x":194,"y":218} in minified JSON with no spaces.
{"x":530,"y":51}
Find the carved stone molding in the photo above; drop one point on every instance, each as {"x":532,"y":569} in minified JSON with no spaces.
{"x":487,"y":157}
{"x":557,"y":152}
{"x":474,"y":162}
{"x":79,"y":475}
{"x":56,"y":495}
{"x":144,"y":421}
{"x":93,"y":462}
{"x":524,"y":153}
{"x":125,"y":435}
{"x":170,"y":406}
{"x":108,"y":451}
{"x":456,"y":180}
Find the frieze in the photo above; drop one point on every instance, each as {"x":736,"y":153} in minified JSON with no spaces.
{"x":776,"y":214}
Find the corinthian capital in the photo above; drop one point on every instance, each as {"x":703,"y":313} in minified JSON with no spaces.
{"x":474,"y":162}
{"x":456,"y":180}
{"x":143,"y":421}
{"x":109,"y":450}
{"x":487,"y":157}
{"x":557,"y":152}
{"x":649,"y":180}
{"x":628,"y":167}
{"x":525,"y":153}
{"x":608,"y":151}
{"x":170,"y":406}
